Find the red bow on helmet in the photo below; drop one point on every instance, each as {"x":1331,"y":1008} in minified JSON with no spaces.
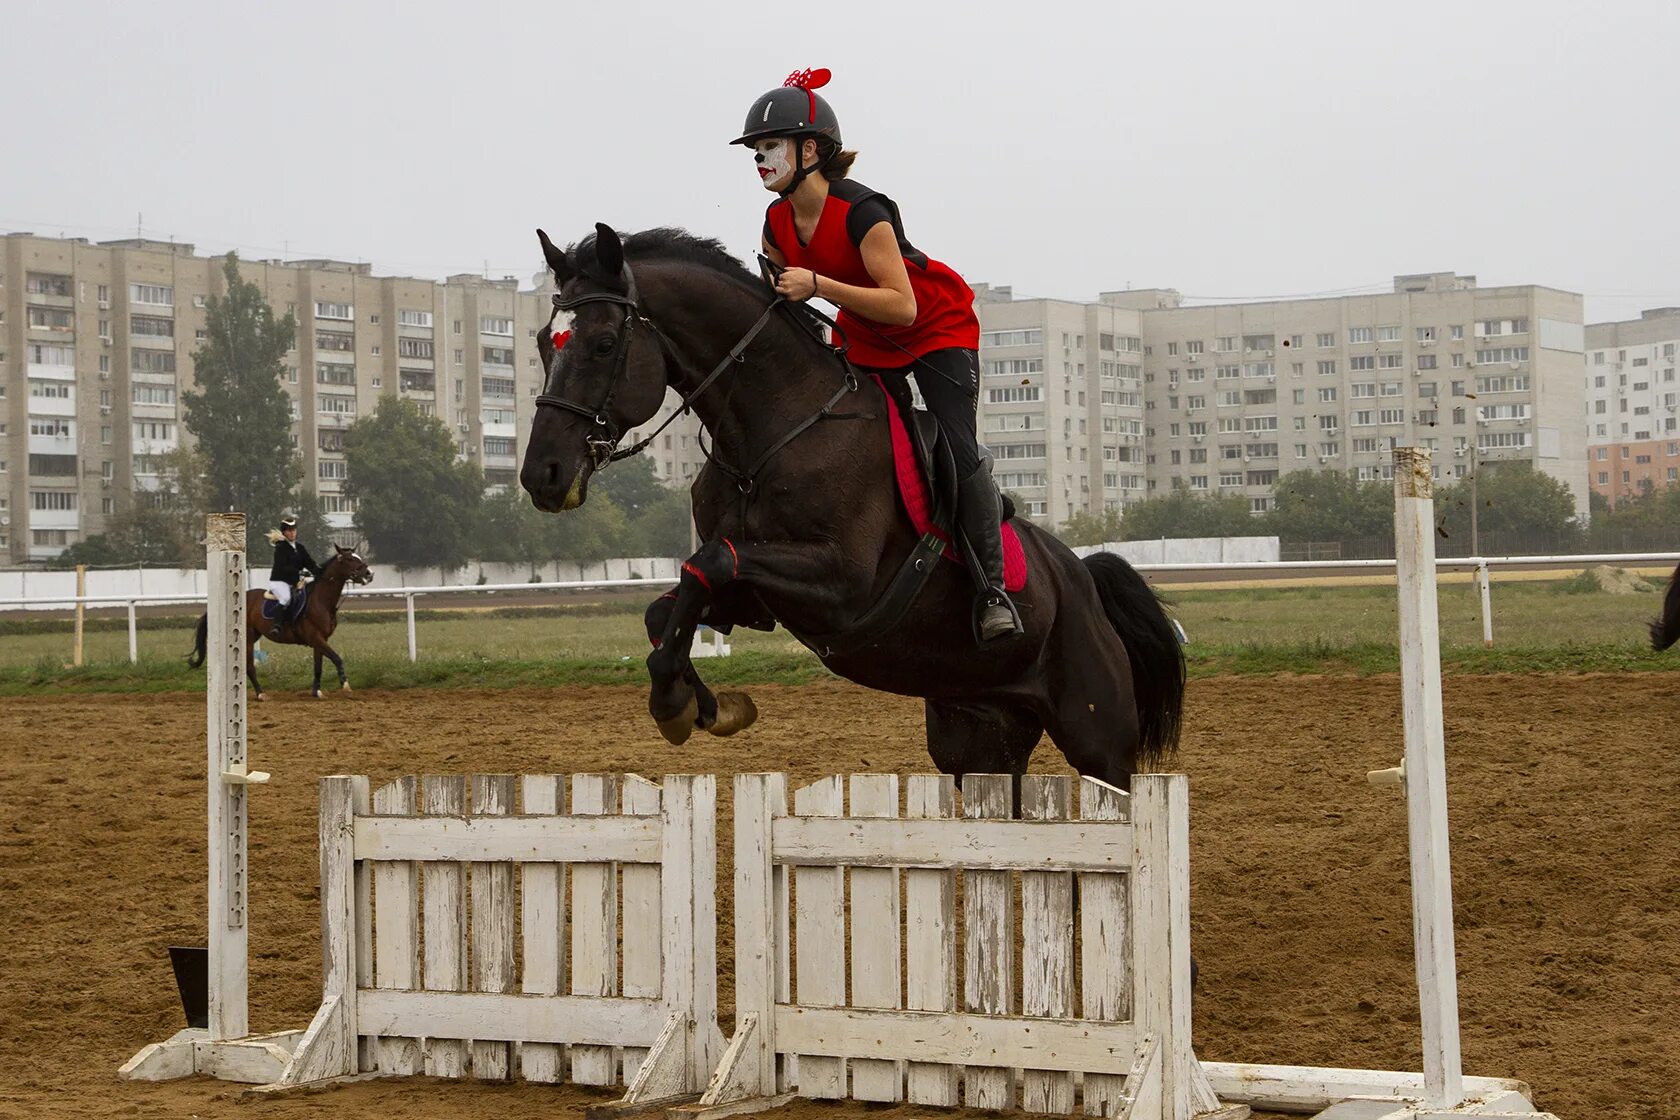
{"x":560,"y":338}
{"x":808,"y":79}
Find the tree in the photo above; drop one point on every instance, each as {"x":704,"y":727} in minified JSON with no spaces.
{"x":1182,"y":513}
{"x":657,"y":516}
{"x":161,"y":527}
{"x":416,"y":504}
{"x":1514,"y":497}
{"x":1090,"y":528}
{"x":238,"y":412}
{"x":1329,"y":506}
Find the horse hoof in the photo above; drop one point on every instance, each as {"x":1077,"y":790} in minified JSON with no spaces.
{"x":345,"y":687}
{"x":735,"y":712}
{"x":316,"y":694}
{"x":678,"y":728}
{"x":260,"y":696}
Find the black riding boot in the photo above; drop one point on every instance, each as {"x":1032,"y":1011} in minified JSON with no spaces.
{"x":978,"y":509}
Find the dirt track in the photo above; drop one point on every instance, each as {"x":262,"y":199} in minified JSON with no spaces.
{"x":1565,"y":806}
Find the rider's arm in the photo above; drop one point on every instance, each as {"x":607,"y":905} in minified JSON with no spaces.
{"x":772,"y":252}
{"x":892,"y":301}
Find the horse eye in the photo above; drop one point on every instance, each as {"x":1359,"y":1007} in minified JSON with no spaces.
{"x":605,"y":346}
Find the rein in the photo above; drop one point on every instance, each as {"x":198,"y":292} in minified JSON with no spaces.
{"x":603,"y":441}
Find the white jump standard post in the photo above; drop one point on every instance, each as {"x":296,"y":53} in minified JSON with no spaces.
{"x":223,"y":1050}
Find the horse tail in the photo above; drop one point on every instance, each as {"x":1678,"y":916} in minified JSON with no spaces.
{"x":202,"y":636}
{"x":1665,"y":629}
{"x":1152,"y":646}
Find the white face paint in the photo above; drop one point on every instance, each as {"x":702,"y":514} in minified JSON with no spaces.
{"x":775,"y":162}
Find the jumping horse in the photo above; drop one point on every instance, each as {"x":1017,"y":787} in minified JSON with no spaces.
{"x":311,"y":628}
{"x":803,"y":525}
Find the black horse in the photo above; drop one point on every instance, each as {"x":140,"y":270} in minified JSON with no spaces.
{"x":1665,"y":628}
{"x":803,"y":527}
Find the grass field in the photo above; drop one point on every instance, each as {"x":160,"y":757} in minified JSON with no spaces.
{"x":1556,"y":625}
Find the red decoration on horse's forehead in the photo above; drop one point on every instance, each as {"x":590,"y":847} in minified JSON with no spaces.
{"x":561,"y":338}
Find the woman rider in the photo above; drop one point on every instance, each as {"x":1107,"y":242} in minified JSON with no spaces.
{"x":902,"y":313}
{"x":291,"y":560}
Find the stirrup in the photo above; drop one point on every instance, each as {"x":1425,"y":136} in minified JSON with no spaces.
{"x":990,"y":598}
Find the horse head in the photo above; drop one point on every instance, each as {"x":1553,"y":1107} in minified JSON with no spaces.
{"x":355,"y":568}
{"x":604,"y":370}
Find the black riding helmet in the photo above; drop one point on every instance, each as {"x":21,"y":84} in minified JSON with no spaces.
{"x":792,"y":109}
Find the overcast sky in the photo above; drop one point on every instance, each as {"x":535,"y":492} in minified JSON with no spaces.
{"x":1225,"y":149}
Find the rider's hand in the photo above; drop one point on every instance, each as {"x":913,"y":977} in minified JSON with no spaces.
{"x":797,"y":284}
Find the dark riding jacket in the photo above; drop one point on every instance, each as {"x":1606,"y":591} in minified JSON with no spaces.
{"x":291,"y":560}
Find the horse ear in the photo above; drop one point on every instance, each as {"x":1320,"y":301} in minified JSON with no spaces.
{"x":557,"y":262}
{"x":609,"y":250}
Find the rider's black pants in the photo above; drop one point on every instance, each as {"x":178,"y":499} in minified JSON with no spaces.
{"x":949,"y":381}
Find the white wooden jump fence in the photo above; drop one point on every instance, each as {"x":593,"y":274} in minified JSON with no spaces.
{"x":447,"y":917}
{"x":934,"y":993}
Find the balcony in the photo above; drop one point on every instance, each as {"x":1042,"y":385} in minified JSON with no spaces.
{"x":50,"y":372}
{"x":55,"y":519}
{"x":54,"y":445}
{"x":52,"y":406}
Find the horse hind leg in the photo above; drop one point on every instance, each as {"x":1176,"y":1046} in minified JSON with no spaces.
{"x":966,"y":737}
{"x":251,"y":667}
{"x":315,"y":686}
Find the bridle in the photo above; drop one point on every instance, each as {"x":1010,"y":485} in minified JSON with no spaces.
{"x":604,"y":437}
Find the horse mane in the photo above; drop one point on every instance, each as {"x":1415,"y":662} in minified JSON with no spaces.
{"x":668,"y":243}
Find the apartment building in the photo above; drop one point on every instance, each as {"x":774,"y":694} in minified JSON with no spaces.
{"x":1633,"y":404}
{"x":1061,"y":401}
{"x":96,"y":344}
{"x":1236,"y":395}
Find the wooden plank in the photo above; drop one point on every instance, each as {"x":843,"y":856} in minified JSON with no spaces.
{"x":443,"y":889}
{"x":1161,"y":927}
{"x":1048,"y":1044}
{"x":643,"y":919}
{"x":1426,"y":776}
{"x":1314,"y":1088}
{"x":751,"y":1058}
{"x":1143,"y":1085}
{"x":515,"y":1017}
{"x":396,"y":914}
{"x":961,"y":844}
{"x":930,"y":947}
{"x":511,"y":840}
{"x":542,"y":928}
{"x":876,"y":974}
{"x":342,"y":798}
{"x":493,"y":960}
{"x":989,"y":938}
{"x":701,"y":895}
{"x":1046,"y":943}
{"x":1105,"y":944}
{"x":820,"y":933}
{"x":227,"y":809}
{"x":595,"y":921}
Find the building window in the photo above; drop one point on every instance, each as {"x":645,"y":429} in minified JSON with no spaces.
{"x":1015,"y":366}
{"x":335,"y":374}
{"x":498,"y":386}
{"x":498,"y":355}
{"x":407,"y":318}
{"x":1359,"y":334}
{"x":335,"y":404}
{"x":153,"y":394}
{"x":326,"y":309}
{"x":1388,"y":334}
{"x":52,"y":500}
{"x":150,"y":326}
{"x":332,"y":470}
{"x":498,"y":445}
{"x":342,"y":341}
{"x":51,"y":319}
{"x":1015,"y":395}
{"x":1426,"y":361}
{"x":152,"y":295}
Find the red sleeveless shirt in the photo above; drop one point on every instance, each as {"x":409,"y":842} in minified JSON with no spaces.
{"x":944,"y":302}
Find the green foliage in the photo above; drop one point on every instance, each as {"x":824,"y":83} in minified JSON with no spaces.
{"x":1653,"y":517}
{"x":657,"y":516}
{"x":1328,"y":505}
{"x":157,"y":528}
{"x":238,"y":412}
{"x":1182,"y":513}
{"x":416,"y":504}
{"x":1090,"y":528}
{"x":1513,"y":497}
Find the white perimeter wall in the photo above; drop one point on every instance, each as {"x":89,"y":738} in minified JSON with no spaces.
{"x":1192,"y":550}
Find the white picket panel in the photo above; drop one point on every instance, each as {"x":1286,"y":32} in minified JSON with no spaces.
{"x":875,"y":1015}
{"x":449,"y":926}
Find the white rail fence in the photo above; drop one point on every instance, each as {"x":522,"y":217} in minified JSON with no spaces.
{"x":1482,"y":566}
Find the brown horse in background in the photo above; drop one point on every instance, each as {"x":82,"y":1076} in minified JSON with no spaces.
{"x":311,"y":628}
{"x":1665,"y":628}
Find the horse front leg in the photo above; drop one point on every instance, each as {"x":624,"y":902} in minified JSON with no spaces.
{"x":811,"y":571}
{"x":251,"y":665}
{"x":315,"y":687}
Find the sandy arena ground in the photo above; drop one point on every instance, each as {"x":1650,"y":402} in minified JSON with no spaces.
{"x":1565,"y":809}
